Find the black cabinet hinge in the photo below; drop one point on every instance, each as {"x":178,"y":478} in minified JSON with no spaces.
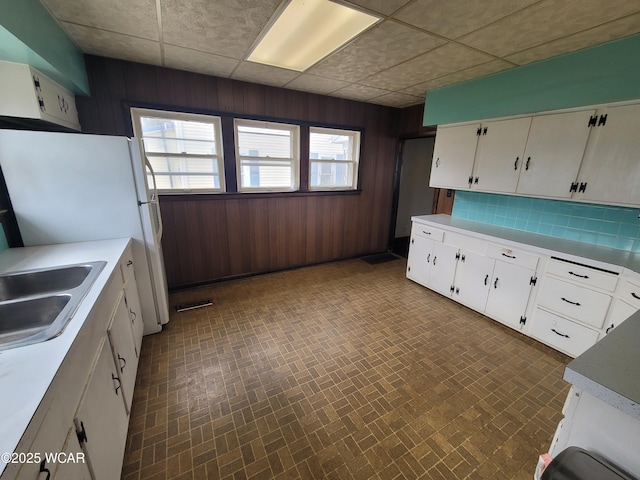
{"x":523,"y":320}
{"x":592,"y":121}
{"x":583,"y":187}
{"x":603,"y":120}
{"x":484,"y":130}
{"x":476,"y":180}
{"x":574,"y":187}
{"x":36,"y":83}
{"x":452,"y":288}
{"x":479,"y":131}
{"x":82,"y":434}
{"x":533,"y":280}
{"x":458,"y":256}
{"x":470,"y":180}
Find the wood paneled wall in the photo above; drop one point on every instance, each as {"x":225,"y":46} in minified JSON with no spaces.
{"x":212,"y":237}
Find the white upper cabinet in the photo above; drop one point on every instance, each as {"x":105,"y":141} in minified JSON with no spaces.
{"x":500,"y":153}
{"x":610,"y":171}
{"x":555,"y":148}
{"x":453,"y":156}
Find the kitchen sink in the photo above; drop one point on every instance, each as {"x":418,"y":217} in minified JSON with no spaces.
{"x":39,"y":282}
{"x":36,"y":305}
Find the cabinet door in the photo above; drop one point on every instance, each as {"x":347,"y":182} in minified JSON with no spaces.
{"x":453,"y":156}
{"x":103,"y":419}
{"x":132,"y":300}
{"x":620,"y":311}
{"x":610,"y":169}
{"x":500,"y":152}
{"x":509,"y":293}
{"x":473,"y":277}
{"x":443,"y":268}
{"x":124,"y":352}
{"x":75,"y":466}
{"x":419,"y":261}
{"x":555,"y":148}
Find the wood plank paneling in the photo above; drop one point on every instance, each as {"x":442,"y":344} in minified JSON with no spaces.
{"x":211,"y":237}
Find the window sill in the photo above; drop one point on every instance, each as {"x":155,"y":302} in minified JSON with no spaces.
{"x":169,"y":197}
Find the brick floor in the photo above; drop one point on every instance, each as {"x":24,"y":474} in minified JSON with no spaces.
{"x":343,"y":370}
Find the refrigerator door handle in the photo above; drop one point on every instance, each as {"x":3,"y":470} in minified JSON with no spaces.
{"x":155,"y":200}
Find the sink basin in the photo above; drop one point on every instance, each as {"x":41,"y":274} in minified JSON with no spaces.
{"x":39,"y":282}
{"x":36,"y":305}
{"x":29,"y":317}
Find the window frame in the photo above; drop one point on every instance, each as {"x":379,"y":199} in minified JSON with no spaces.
{"x":136,"y":115}
{"x":357,"y":145}
{"x":295,"y":159}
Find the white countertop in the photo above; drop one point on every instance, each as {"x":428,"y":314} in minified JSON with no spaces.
{"x":603,"y":257}
{"x":610,"y":370}
{"x":26,"y":372}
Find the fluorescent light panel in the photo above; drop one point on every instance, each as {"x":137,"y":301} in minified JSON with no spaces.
{"x":307,"y":31}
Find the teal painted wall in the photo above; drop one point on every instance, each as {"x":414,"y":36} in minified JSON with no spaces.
{"x":3,"y":240}
{"x":602,"y":74}
{"x":615,"y":227}
{"x":28,"y":34}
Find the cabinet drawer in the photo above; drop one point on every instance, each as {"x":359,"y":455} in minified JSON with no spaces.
{"x":562,"y":334}
{"x":515,"y":257}
{"x":428,"y":232}
{"x":582,"y":304}
{"x":583,"y":274}
{"x":630,"y":293}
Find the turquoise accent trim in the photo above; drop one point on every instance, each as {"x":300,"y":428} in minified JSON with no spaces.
{"x":3,"y":240}
{"x":615,"y":227}
{"x":28,"y":34}
{"x":602,"y":74}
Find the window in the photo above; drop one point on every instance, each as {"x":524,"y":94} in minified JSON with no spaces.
{"x":184,"y":150}
{"x":333,"y":159}
{"x":267,"y":156}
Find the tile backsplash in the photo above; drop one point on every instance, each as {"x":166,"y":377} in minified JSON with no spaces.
{"x":616,"y":227}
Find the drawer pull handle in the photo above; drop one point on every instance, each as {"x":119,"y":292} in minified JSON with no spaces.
{"x":558,"y":333}
{"x":569,"y":301}
{"x":508,"y":256}
{"x":633,"y":294}
{"x":495,"y":284}
{"x":129,"y":263}
{"x":579,"y":276}
{"x":610,"y":328}
{"x":113,"y":377}
{"x":434,"y":260}
{"x":426,"y":233}
{"x":428,"y":258}
{"x":486,"y":279}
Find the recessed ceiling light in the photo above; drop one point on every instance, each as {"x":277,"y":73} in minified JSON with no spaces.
{"x":307,"y":31}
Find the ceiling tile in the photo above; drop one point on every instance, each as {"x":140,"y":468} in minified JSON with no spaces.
{"x":131,"y":17}
{"x":385,"y":7}
{"x":454,"y":18}
{"x":546,"y":21}
{"x":314,"y":84}
{"x":604,"y":33}
{"x":264,"y":74}
{"x":359,"y":92}
{"x":224,"y":27}
{"x":379,"y":48}
{"x":397,"y":99}
{"x":441,"y":61}
{"x":199,"y":62}
{"x":461,"y":76}
{"x":114,"y":45}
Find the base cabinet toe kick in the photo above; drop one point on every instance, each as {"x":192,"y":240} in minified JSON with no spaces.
{"x":566,"y":301}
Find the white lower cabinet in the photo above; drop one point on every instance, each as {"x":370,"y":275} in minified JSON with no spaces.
{"x":562,"y":334}
{"x":443,"y":268}
{"x":419,"y":261}
{"x":102,"y":420}
{"x":472,"y":280}
{"x":84,"y":416}
{"x":124,"y":351}
{"x":509,"y":293}
{"x":561,"y":302}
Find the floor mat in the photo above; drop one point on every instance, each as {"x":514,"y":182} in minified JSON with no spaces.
{"x":380,"y":258}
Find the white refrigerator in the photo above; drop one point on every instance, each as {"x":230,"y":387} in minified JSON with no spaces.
{"x":67,"y":187}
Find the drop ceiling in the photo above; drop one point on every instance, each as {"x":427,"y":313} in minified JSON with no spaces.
{"x":418,"y":46}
